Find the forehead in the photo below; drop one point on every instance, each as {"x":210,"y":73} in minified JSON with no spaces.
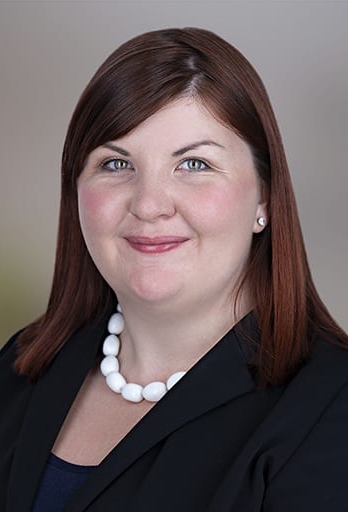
{"x":183,"y":121}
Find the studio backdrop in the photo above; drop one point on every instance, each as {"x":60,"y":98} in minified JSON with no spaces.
{"x":50,"y":49}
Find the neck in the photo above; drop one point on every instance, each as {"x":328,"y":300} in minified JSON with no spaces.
{"x":158,"y":340}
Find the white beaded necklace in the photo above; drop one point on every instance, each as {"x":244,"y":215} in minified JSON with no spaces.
{"x":110,"y":368}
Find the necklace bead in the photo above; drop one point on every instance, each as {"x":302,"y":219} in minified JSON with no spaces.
{"x":154,"y":391}
{"x":115,"y":381}
{"x":116,"y":323}
{"x":111,"y":345}
{"x":173,"y":379}
{"x":110,"y":368}
{"x":132,"y":392}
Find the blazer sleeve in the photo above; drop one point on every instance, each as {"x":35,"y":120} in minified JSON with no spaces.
{"x":314,"y":477}
{"x":8,"y":345}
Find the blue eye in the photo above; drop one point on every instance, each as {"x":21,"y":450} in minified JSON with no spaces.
{"x":193,"y":164}
{"x":116,"y":164}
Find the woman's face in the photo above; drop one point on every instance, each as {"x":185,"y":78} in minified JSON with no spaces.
{"x":169,"y":210}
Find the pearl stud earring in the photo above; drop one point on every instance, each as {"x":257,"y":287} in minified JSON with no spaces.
{"x":261,"y":221}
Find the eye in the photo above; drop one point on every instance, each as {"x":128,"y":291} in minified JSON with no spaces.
{"x":193,"y":164}
{"x":116,"y":164}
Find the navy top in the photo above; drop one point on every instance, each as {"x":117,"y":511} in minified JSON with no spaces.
{"x":59,"y":482}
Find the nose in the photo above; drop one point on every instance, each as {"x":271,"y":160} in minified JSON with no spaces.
{"x":152,"y":198}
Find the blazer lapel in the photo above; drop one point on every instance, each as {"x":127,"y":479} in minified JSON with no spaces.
{"x":51,"y":399}
{"x":219,"y":377}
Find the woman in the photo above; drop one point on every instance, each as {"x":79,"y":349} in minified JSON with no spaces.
{"x":185,"y":361}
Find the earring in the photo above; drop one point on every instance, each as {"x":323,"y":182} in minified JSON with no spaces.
{"x":261,"y":221}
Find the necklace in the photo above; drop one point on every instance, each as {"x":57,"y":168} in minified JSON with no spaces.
{"x":110,"y":368}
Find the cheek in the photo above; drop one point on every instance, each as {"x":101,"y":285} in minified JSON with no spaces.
{"x":228,"y":205}
{"x":95,"y":207}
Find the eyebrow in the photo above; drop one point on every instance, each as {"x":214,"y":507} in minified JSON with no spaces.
{"x":117,"y":149}
{"x":178,"y":152}
{"x":196,"y":145}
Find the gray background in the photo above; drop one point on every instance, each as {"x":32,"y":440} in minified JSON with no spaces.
{"x":50,"y":49}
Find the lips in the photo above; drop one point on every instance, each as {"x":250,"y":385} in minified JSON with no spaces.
{"x":155,"y":245}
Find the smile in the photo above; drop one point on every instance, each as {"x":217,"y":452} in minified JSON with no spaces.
{"x":155,"y":245}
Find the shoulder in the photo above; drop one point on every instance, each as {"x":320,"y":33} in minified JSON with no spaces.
{"x":322,"y":376}
{"x":325,"y":374}
{"x":12,"y":385}
{"x":11,"y":343}
{"x":15,"y":389}
{"x":15,"y":393}
{"x":310,"y":448}
{"x":8,"y":354}
{"x":317,"y":386}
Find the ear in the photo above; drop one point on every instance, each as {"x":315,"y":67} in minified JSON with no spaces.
{"x":261,"y":218}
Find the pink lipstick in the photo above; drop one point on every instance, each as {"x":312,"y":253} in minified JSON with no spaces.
{"x":156,"y":244}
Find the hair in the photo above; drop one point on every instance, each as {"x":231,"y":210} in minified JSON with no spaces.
{"x":136,"y":80}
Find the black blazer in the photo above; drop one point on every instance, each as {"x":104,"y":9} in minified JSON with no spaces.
{"x":214,"y":443}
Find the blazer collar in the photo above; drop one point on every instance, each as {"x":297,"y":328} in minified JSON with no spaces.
{"x":219,"y":377}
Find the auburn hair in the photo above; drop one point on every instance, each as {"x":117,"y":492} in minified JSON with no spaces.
{"x":140,"y":77}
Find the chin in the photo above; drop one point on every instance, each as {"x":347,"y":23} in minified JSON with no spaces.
{"x":154,"y":288}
